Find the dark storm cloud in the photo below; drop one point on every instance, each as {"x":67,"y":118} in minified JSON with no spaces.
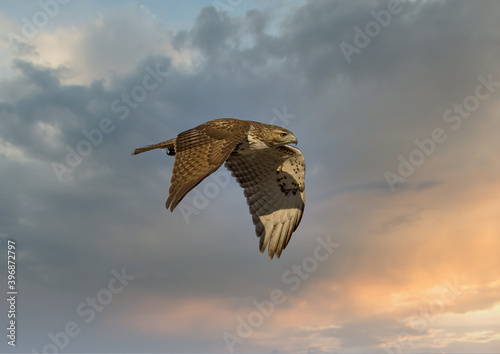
{"x":234,"y":78}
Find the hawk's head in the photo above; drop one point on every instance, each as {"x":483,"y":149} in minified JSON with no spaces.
{"x":282,"y":136}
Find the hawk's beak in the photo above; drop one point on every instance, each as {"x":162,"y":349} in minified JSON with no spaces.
{"x":294,"y":141}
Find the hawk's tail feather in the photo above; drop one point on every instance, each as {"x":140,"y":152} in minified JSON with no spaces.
{"x":167,"y":144}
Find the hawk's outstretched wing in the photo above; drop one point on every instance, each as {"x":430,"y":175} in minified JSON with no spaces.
{"x":200,"y":151}
{"x":273,"y":183}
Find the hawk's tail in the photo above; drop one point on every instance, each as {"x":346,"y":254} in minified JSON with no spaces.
{"x":167,"y":144}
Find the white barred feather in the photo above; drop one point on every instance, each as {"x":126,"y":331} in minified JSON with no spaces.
{"x":273,"y":183}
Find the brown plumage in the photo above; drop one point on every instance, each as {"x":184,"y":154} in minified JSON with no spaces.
{"x":270,"y":171}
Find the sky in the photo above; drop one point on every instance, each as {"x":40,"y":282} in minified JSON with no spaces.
{"x":395,"y":106}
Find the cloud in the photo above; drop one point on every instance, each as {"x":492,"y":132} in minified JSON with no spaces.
{"x":353,"y":120}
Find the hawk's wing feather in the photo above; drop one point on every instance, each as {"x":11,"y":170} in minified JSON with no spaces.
{"x":273,"y":183}
{"x":201,"y":151}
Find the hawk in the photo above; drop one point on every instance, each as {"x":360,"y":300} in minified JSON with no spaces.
{"x":270,"y":171}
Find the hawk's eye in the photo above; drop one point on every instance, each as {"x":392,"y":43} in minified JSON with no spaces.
{"x":283,"y":135}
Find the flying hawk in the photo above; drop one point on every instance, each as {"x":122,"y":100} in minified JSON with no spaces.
{"x":259,"y":156}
